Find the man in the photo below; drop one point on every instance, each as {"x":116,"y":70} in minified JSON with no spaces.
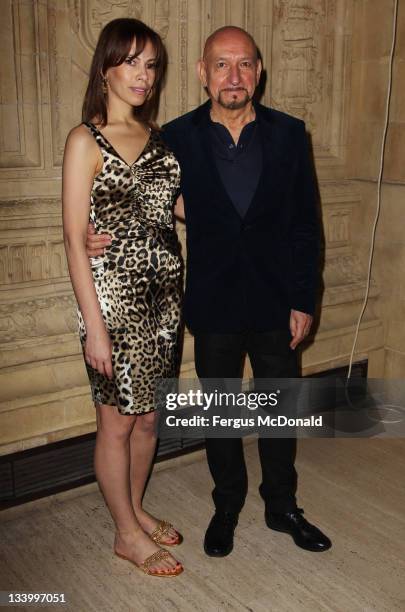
{"x":252,"y":265}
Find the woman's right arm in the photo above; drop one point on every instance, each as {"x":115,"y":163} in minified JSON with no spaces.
{"x":79,"y":168}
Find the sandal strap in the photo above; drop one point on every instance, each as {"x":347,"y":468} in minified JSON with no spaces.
{"x":160,"y":531}
{"x":159,"y":555}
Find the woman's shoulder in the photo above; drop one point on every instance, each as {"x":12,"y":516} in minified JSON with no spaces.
{"x":81,"y":138}
{"x":80,"y":132}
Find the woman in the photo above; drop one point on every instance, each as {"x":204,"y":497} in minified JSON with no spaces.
{"x":118,"y":173}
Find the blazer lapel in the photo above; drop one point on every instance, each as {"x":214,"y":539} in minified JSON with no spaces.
{"x":274,"y":166}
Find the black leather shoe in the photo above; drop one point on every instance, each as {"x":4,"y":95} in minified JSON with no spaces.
{"x":304,"y":534}
{"x":218,"y":541}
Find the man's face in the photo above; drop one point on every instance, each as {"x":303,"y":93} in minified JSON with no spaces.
{"x":230,"y":70}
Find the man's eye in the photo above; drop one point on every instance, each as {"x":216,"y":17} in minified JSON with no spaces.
{"x":246,"y":64}
{"x":221,"y":64}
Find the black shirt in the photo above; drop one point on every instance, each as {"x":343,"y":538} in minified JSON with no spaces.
{"x":239,"y":165}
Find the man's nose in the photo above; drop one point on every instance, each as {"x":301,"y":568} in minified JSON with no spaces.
{"x":234,"y":75}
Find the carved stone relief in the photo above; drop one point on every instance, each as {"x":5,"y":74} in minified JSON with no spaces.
{"x":32,"y":261}
{"x":308,"y":77}
{"x":27,"y":254}
{"x":337,"y":226}
{"x":298,"y":36}
{"x":88,"y":18}
{"x":37,"y":318}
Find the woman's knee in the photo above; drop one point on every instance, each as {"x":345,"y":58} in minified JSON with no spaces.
{"x":113,"y":424}
{"x":147,"y":423}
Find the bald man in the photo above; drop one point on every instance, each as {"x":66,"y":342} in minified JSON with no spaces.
{"x":252,"y":266}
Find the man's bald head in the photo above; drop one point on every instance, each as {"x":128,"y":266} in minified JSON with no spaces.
{"x":230,"y":68}
{"x":228,"y":32}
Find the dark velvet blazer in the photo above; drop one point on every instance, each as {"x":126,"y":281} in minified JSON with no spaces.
{"x":248,"y":273}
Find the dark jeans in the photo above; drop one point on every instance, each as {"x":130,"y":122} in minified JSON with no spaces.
{"x":222,"y":355}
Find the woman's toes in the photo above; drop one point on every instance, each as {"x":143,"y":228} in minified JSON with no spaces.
{"x":167,"y":566}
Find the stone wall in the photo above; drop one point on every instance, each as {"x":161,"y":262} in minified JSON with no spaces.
{"x":371,"y":51}
{"x":318,"y":57}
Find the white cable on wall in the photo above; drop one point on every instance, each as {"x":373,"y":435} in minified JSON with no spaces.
{"x":379,"y":182}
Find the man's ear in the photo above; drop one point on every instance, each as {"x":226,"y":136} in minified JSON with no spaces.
{"x":258,"y":70}
{"x":202,"y":72}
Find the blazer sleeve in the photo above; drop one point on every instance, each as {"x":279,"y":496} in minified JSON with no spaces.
{"x":169,"y":135}
{"x":305,"y":229}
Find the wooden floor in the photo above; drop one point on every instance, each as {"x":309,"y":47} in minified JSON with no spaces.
{"x":353,"y":489}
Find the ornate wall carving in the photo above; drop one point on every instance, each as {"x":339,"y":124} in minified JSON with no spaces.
{"x":32,"y":260}
{"x":305,"y":46}
{"x":31,"y":244}
{"x":311,"y":62}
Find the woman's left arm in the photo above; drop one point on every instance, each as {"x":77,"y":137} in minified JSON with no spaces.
{"x":179,"y":209}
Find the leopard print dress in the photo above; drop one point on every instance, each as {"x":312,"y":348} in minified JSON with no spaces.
{"x":138,"y":280}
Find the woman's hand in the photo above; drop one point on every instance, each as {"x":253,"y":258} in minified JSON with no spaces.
{"x":98,"y":351}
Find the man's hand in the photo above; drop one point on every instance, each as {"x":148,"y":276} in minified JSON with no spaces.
{"x":95,"y":243}
{"x":300,"y":324}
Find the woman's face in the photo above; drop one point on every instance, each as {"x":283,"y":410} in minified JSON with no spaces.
{"x":132,"y":80}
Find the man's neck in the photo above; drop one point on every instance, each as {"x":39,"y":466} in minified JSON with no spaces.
{"x":233,"y":119}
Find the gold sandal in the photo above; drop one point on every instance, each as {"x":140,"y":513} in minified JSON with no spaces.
{"x":159,"y":555}
{"x":162,"y":529}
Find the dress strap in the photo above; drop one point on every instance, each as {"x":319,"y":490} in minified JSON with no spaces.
{"x":101,"y":141}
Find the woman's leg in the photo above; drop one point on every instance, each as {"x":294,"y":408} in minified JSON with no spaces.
{"x":143,"y":444}
{"x":112,"y":467}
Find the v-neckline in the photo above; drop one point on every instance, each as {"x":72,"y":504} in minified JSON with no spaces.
{"x":115,"y":150}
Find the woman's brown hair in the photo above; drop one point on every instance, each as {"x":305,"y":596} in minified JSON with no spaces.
{"x":112,"y":49}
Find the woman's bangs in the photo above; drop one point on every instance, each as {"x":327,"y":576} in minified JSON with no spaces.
{"x":120,"y":49}
{"x":141,"y":40}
